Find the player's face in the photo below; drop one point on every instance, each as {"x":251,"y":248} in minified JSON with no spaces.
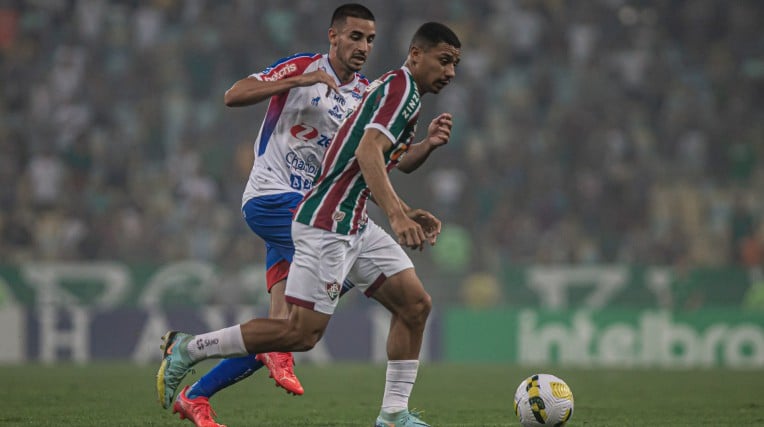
{"x":352,"y":42}
{"x":435,"y":67}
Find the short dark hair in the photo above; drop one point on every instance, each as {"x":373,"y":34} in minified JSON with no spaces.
{"x":432,"y":33}
{"x":351,"y":10}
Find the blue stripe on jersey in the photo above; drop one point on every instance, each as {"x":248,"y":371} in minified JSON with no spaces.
{"x":275,"y":108}
{"x":288,"y":58}
{"x":269,"y":124}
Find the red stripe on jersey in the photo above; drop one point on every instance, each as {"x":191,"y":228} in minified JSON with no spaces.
{"x":327,"y":165}
{"x":396,"y":91}
{"x":336,"y":193}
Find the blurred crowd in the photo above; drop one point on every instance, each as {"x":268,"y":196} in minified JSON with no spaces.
{"x":602,"y":131}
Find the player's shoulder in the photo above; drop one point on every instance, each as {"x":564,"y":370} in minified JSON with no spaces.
{"x":300,"y":59}
{"x":398,"y":80}
{"x":399,"y":74}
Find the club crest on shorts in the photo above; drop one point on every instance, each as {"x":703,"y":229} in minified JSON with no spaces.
{"x":333,"y":290}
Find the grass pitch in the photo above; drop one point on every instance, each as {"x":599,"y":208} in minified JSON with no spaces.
{"x":349,"y":395}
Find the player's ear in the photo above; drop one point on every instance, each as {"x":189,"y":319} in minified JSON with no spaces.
{"x":415,"y":54}
{"x":333,"y":35}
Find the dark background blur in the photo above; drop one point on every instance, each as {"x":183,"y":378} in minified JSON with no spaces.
{"x":587,"y":133}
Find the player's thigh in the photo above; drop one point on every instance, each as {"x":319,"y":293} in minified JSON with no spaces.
{"x":270,"y":217}
{"x":384,"y":271}
{"x":321,"y":262}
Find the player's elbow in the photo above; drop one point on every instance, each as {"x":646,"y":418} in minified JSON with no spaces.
{"x":405,"y":168}
{"x":231,"y":99}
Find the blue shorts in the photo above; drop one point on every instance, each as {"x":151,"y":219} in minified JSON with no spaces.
{"x":270,"y":217}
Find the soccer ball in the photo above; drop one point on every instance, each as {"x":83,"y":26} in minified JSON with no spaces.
{"x":543,"y":400}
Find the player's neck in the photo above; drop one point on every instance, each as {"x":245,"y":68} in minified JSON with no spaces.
{"x":346,"y":76}
{"x":407,"y":64}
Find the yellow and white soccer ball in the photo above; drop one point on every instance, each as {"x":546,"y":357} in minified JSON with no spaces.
{"x":543,"y":400}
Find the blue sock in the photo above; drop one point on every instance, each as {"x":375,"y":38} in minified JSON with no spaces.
{"x":224,"y":374}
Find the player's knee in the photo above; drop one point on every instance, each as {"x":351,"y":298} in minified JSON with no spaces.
{"x":303,"y":340}
{"x":309,"y":341}
{"x":418,"y":311}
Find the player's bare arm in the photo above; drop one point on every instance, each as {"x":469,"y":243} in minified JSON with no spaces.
{"x":372,"y":164}
{"x":250,"y":90}
{"x":438,"y":134}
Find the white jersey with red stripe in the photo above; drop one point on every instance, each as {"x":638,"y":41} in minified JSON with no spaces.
{"x":299,"y":125}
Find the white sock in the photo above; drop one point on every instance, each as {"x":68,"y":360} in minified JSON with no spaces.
{"x":226,"y":342}
{"x":400,"y":378}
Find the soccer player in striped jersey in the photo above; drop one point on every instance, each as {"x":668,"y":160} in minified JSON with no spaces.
{"x":334,"y":238}
{"x":309,"y":95}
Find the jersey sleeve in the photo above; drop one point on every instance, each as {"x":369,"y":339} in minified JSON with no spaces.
{"x":286,"y":67}
{"x":397,"y":102}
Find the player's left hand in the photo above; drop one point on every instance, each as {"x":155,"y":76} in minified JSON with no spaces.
{"x":430,"y":224}
{"x":439,"y":130}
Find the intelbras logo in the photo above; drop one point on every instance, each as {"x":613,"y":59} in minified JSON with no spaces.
{"x":278,"y":75}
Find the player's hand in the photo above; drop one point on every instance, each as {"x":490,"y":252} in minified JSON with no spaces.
{"x":430,"y":224}
{"x":439,"y":130}
{"x":409,"y":233}
{"x":321,"y":76}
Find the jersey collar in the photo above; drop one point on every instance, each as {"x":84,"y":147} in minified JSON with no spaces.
{"x":330,"y":70}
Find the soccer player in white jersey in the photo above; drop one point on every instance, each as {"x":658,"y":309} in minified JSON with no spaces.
{"x":309,"y":95}
{"x":335,"y":239}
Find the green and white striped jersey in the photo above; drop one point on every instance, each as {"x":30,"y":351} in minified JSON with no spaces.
{"x":337,"y":201}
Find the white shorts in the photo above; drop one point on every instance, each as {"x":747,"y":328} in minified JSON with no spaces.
{"x":323,"y":259}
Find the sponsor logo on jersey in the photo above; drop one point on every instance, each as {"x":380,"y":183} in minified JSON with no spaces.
{"x":339,"y":99}
{"x":357,"y":92}
{"x":278,"y":75}
{"x":307,"y":133}
{"x":303,"y":132}
{"x":336,"y":112}
{"x":309,"y":165}
{"x":314,"y":101}
{"x":411,"y":107}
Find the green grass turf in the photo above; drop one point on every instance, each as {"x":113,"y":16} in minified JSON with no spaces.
{"x":349,"y":395}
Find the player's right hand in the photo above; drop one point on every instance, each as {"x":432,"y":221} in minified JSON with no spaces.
{"x":321,"y":76}
{"x":429,"y":222}
{"x":409,"y":233}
